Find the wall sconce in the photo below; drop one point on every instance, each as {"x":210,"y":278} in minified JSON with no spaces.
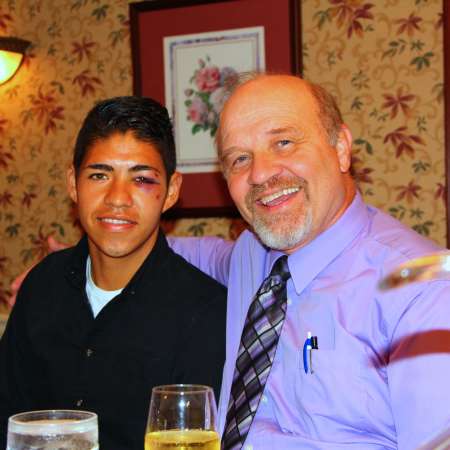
{"x":11,"y":55}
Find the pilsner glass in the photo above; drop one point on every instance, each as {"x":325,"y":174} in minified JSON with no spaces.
{"x":182,"y":417}
{"x":53,"y":429}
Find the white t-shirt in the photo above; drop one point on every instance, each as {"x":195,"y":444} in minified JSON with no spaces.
{"x":97,"y":297}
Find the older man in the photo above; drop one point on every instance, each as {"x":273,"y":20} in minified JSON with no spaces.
{"x":318,"y":357}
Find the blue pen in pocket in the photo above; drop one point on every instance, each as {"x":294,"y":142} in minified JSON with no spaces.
{"x":311,"y":343}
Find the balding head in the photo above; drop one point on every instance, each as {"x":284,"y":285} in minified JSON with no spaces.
{"x":326,"y":107}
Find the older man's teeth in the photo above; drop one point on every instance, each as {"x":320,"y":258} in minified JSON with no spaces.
{"x":270,"y":198}
{"x":115,"y":221}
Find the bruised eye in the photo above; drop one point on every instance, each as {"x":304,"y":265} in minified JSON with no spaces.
{"x":146,"y":180}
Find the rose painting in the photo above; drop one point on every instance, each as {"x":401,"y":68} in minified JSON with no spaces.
{"x":206,"y":95}
{"x":198,"y":69}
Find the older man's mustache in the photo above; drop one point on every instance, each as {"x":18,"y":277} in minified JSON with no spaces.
{"x":275,"y":183}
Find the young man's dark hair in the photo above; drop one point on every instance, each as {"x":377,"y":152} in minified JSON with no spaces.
{"x":97,"y":325}
{"x":144,"y":117}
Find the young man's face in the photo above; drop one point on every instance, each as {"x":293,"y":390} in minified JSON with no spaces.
{"x":121,"y":189}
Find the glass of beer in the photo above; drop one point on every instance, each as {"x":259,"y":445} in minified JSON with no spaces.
{"x":182,"y":417}
{"x":53,"y":429}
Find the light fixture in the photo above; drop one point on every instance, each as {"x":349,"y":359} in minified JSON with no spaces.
{"x":11,"y":55}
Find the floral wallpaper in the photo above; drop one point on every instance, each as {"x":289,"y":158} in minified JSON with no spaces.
{"x":382,"y":59}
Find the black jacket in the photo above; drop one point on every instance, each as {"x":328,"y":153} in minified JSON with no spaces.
{"x":167,"y":326}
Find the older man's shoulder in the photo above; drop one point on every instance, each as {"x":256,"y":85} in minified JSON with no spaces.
{"x":390,"y":233}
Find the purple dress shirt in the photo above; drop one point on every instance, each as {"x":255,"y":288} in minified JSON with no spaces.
{"x":381,"y":374}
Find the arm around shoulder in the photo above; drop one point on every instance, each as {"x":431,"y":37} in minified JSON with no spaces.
{"x":209,"y":254}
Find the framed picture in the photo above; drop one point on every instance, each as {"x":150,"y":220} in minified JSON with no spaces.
{"x":184,"y":51}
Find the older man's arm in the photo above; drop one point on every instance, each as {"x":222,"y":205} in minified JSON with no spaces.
{"x":209,"y":254}
{"x":419,"y":367}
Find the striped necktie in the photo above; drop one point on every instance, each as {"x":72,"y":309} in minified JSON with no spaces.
{"x":257,"y":349}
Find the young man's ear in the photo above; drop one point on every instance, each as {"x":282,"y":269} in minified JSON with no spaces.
{"x":344,"y":149}
{"x":173,"y":190}
{"x":71,"y":181}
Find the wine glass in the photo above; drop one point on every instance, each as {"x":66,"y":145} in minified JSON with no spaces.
{"x":182,"y":416}
{"x":429,"y":267}
{"x":53,"y":430}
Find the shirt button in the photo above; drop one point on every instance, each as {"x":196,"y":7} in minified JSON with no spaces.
{"x":79,"y":402}
{"x":264,"y":399}
{"x":289,"y":301}
{"x":89,"y":352}
{"x":248,"y":447}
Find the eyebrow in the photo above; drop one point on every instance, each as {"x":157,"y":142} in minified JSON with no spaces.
{"x":284,"y":130}
{"x":222,"y":154}
{"x":273,"y":132}
{"x":136,"y":168}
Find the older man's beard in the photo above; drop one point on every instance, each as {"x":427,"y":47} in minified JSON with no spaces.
{"x":285,"y":230}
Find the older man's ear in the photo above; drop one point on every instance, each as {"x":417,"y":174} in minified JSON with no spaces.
{"x":344,"y":149}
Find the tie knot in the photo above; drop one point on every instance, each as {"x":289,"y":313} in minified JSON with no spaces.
{"x":281,"y":269}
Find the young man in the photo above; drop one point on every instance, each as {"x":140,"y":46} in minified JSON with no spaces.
{"x":96,"y":326}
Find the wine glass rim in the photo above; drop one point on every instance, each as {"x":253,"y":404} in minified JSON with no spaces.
{"x":181,"y":389}
{"x":74,"y":424}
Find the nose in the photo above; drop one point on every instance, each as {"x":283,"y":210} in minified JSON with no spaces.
{"x":263,"y":168}
{"x":118,"y":195}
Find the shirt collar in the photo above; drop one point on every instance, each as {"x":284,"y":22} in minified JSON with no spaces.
{"x":307,"y":262}
{"x":150,"y":270}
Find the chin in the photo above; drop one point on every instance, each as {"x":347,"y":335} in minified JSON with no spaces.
{"x":285,"y":236}
{"x":281,"y":241}
{"x":116,"y":251}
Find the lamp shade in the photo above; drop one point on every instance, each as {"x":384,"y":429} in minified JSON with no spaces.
{"x":11,"y":55}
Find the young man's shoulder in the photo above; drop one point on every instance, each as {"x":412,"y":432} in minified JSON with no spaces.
{"x":187,"y":277}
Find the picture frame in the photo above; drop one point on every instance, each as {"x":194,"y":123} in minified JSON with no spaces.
{"x":158,"y":25}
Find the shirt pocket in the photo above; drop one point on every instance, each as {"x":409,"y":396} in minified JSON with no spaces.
{"x":333,"y":394}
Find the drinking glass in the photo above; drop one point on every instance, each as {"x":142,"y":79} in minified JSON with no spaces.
{"x":53,"y":430}
{"x":182,"y":416}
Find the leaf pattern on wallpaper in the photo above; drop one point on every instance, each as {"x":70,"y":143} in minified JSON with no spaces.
{"x":389,"y":86}
{"x":383,"y":64}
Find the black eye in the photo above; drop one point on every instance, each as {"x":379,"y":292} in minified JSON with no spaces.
{"x":145,"y":180}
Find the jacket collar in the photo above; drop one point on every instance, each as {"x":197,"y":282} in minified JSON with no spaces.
{"x":150,"y":269}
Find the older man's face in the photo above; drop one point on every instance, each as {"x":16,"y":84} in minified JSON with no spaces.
{"x":286,"y":179}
